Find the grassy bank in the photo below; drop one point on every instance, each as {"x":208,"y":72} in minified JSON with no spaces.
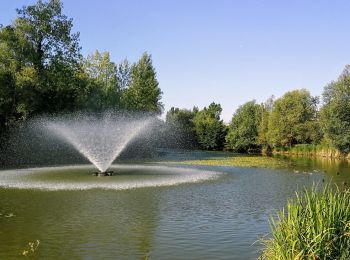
{"x":319,"y":150}
{"x":242,"y":161}
{"x":315,"y":225}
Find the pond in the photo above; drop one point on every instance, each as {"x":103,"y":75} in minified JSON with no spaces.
{"x":154,"y":210}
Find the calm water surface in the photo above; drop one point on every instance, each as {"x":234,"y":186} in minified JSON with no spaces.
{"x":219,"y":218}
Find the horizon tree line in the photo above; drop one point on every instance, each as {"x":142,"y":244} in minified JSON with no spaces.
{"x":295,"y":118}
{"x":42,"y":70}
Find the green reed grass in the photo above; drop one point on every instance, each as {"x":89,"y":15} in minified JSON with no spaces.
{"x":307,"y":149}
{"x":315,"y":225}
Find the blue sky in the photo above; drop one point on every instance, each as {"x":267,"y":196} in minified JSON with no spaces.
{"x":224,"y":51}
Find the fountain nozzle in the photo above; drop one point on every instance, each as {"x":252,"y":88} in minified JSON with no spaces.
{"x":106,"y":173}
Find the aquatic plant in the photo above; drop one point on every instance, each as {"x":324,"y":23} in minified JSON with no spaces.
{"x":315,"y":225}
{"x":323,"y":150}
{"x":29,"y":252}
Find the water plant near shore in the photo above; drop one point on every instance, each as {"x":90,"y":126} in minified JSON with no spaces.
{"x":318,"y":150}
{"x":315,"y":225}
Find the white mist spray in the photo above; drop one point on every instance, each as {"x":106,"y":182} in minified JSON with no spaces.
{"x":100,"y":139}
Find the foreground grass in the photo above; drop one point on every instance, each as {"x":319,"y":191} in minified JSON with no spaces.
{"x":242,"y":161}
{"x":316,"y":225}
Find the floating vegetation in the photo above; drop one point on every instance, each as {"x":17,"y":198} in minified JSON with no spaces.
{"x":30,"y":251}
{"x":243,"y":161}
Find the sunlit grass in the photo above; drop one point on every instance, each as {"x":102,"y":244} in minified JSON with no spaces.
{"x":242,"y":161}
{"x":315,"y":225}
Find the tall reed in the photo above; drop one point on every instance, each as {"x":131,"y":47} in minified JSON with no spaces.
{"x":315,"y":225}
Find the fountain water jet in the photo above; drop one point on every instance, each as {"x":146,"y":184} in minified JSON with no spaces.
{"x":101,"y":138}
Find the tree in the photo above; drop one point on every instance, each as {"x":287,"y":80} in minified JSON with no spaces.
{"x":243,"y":131}
{"x":293,"y":119}
{"x":103,"y":88}
{"x":18,"y":79}
{"x":123,"y":74}
{"x":42,"y":70}
{"x":40,"y":52}
{"x":209,"y":129}
{"x":7,"y":98}
{"x":263,"y":126}
{"x":335,"y":113}
{"x":181,"y":127}
{"x":143,"y":94}
{"x":54,"y":54}
{"x":48,"y":33}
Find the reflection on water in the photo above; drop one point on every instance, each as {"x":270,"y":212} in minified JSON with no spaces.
{"x":79,"y":225}
{"x":337,"y":171}
{"x":220,"y":218}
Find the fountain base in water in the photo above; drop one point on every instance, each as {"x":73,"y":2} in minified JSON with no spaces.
{"x":106,"y":173}
{"x":125,"y":177}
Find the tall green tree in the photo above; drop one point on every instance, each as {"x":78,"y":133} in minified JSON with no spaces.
{"x":143,"y":93}
{"x":49,"y":33}
{"x":243,"y":130}
{"x":209,"y":129}
{"x":335,"y":113}
{"x":263,"y":126}
{"x":18,"y":78}
{"x":41,"y":53}
{"x":293,"y":119}
{"x":54,"y":53}
{"x":123,"y":74}
{"x":103,"y":90}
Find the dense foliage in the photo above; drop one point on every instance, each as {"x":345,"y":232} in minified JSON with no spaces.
{"x":180,"y":122}
{"x":243,"y":130}
{"x":43,"y":71}
{"x":316,"y":225}
{"x":197,"y":128}
{"x":335,"y":113}
{"x":39,"y":57}
{"x":293,"y":119}
{"x":263,"y":127}
{"x":208,"y":127}
{"x":143,"y":93}
{"x":101,"y":84}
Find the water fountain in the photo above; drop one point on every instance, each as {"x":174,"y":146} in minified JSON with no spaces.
{"x":100,"y":138}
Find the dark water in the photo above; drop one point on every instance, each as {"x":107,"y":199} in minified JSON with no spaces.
{"x":222,"y":218}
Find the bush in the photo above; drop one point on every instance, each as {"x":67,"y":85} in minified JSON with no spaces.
{"x":315,"y":226}
{"x":281,"y":149}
